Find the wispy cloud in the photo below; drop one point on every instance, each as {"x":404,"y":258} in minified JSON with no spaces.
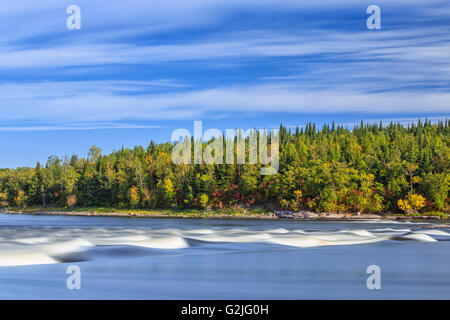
{"x":70,"y":127}
{"x":68,"y":102}
{"x":166,"y":51}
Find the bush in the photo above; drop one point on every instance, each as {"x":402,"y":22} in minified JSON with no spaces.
{"x":412,"y":203}
{"x":417,"y":201}
{"x":203,"y":201}
{"x":71,"y":200}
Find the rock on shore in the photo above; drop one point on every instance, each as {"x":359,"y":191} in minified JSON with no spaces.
{"x":312,"y":215}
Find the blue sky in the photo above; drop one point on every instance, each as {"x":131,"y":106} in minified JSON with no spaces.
{"x":137,"y":70}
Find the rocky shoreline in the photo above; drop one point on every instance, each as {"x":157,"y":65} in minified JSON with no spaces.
{"x":295,"y":215}
{"x":345,"y":216}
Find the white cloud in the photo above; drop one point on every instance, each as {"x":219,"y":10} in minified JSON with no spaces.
{"x":77,"y":127}
{"x":353,"y":71}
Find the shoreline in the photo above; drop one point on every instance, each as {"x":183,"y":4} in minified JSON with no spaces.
{"x":276,"y":215}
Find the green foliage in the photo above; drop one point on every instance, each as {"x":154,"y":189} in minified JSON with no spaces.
{"x":203,"y":200}
{"x":368,"y":169}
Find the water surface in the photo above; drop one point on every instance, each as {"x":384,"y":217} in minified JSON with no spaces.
{"x":150,"y":258}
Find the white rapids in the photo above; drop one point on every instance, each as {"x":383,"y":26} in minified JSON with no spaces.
{"x":30,"y":246}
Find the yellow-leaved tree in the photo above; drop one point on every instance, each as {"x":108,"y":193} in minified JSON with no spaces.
{"x":134,"y":196}
{"x":412,"y":204}
{"x":203,"y":200}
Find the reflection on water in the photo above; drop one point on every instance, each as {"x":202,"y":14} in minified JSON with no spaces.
{"x":215,"y":259}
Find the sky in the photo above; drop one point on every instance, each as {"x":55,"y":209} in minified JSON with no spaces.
{"x":138,"y":70}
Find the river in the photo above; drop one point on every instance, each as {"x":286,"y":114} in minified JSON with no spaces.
{"x":151,"y":258}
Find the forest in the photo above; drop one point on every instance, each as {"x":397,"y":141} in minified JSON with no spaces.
{"x":370,"y":168}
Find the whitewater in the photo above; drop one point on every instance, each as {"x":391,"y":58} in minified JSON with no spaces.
{"x":188,"y":259}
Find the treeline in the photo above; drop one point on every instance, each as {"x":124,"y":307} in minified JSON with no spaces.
{"x":371,"y":168}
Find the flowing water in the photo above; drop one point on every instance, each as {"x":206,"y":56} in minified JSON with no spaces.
{"x":147,"y":258}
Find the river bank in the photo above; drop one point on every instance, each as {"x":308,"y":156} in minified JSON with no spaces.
{"x":196,"y":214}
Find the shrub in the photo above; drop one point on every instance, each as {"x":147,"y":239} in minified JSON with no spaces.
{"x":203,"y":200}
{"x":412,"y":203}
{"x":71,"y":200}
{"x":403,"y":205}
{"x":416,"y":201}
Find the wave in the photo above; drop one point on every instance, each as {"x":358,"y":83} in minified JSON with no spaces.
{"x":41,"y":254}
{"x":158,"y":243}
{"x":25,"y":258}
